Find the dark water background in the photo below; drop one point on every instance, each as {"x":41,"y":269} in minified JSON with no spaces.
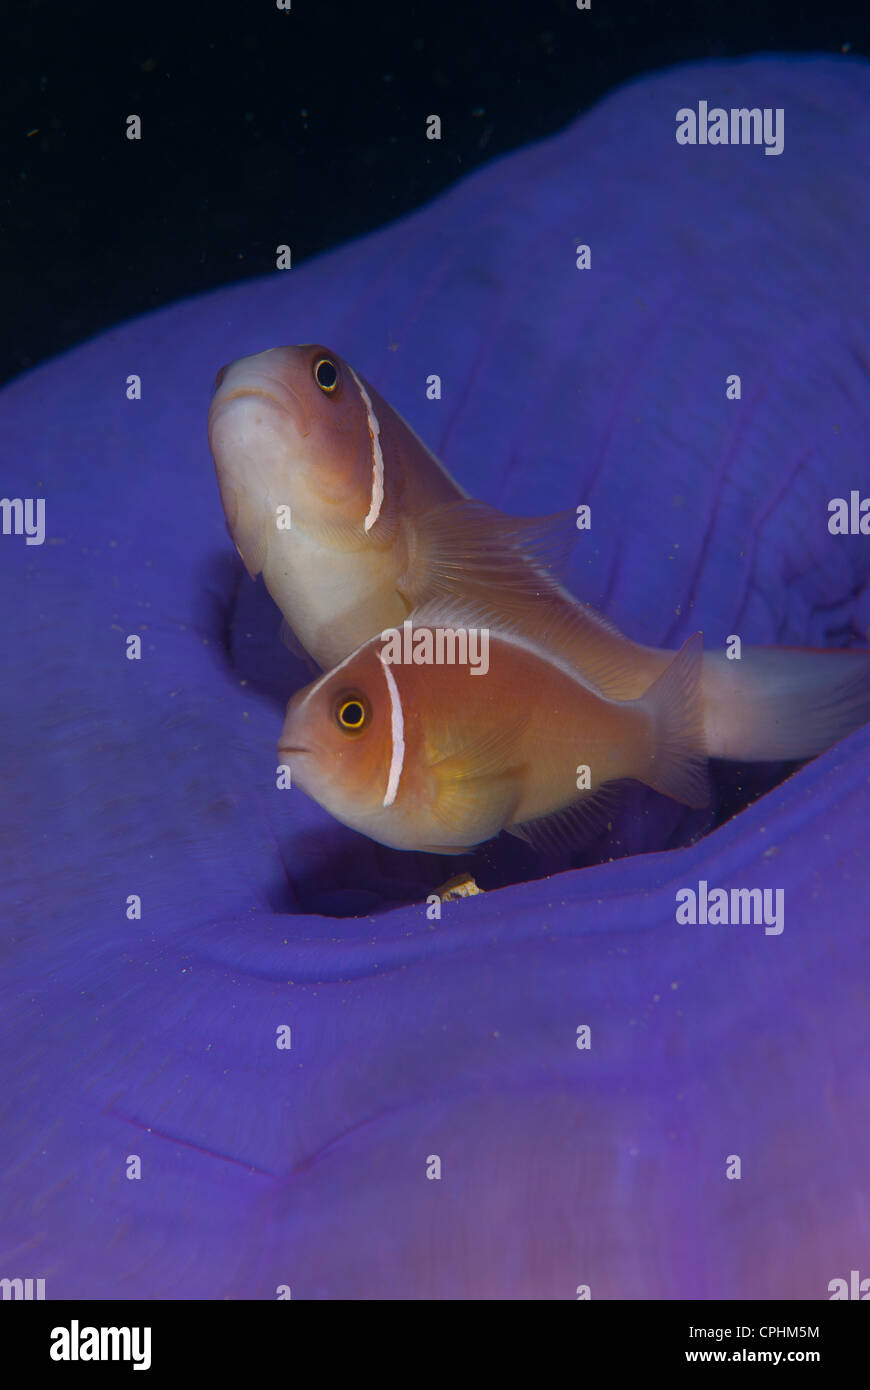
{"x":306,"y":128}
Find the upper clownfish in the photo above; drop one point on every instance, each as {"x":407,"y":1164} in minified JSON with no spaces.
{"x":377,"y":527}
{"x":297,"y":428}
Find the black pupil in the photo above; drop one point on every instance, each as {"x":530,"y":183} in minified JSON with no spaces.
{"x":326,"y":374}
{"x":352,"y":714}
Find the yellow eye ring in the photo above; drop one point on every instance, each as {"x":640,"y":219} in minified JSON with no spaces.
{"x":352,"y":713}
{"x":326,"y":375}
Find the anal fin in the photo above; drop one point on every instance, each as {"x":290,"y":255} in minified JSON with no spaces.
{"x":575,"y":826}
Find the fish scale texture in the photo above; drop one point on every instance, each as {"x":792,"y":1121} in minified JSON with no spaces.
{"x":156,"y":1037}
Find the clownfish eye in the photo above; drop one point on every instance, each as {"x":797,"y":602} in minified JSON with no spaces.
{"x":326,"y":375}
{"x":352,"y":713}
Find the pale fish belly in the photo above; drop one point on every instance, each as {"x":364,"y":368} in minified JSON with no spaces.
{"x":332,"y":599}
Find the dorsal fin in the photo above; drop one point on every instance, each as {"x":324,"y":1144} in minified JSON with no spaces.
{"x":561,"y":633}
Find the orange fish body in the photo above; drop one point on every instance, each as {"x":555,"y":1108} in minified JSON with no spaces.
{"x":439,"y":757}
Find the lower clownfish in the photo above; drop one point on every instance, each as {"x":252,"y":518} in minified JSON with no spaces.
{"x":375,"y":527}
{"x":443,"y":756}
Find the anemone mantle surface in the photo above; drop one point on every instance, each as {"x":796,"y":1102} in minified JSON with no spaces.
{"x":560,"y":1167}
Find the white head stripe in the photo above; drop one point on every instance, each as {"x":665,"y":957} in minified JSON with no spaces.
{"x":377,"y":500}
{"x":397,"y":733}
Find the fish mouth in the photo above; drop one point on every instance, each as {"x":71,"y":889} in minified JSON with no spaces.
{"x":288,"y":748}
{"x":277,"y":394}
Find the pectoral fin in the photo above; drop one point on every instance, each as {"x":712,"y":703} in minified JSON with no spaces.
{"x":466,"y":542}
{"x":478,"y":780}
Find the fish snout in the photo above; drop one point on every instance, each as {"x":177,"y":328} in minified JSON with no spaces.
{"x":258,"y":393}
{"x":274,"y":377}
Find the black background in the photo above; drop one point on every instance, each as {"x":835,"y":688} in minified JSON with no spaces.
{"x":262,"y":127}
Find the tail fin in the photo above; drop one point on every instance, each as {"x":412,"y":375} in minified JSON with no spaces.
{"x":678,"y":761}
{"x":783,"y":702}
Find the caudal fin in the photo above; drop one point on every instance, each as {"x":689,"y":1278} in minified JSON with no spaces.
{"x":783,"y":703}
{"x":678,"y":761}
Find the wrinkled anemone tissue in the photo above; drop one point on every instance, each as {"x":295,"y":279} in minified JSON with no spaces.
{"x":304,"y":994}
